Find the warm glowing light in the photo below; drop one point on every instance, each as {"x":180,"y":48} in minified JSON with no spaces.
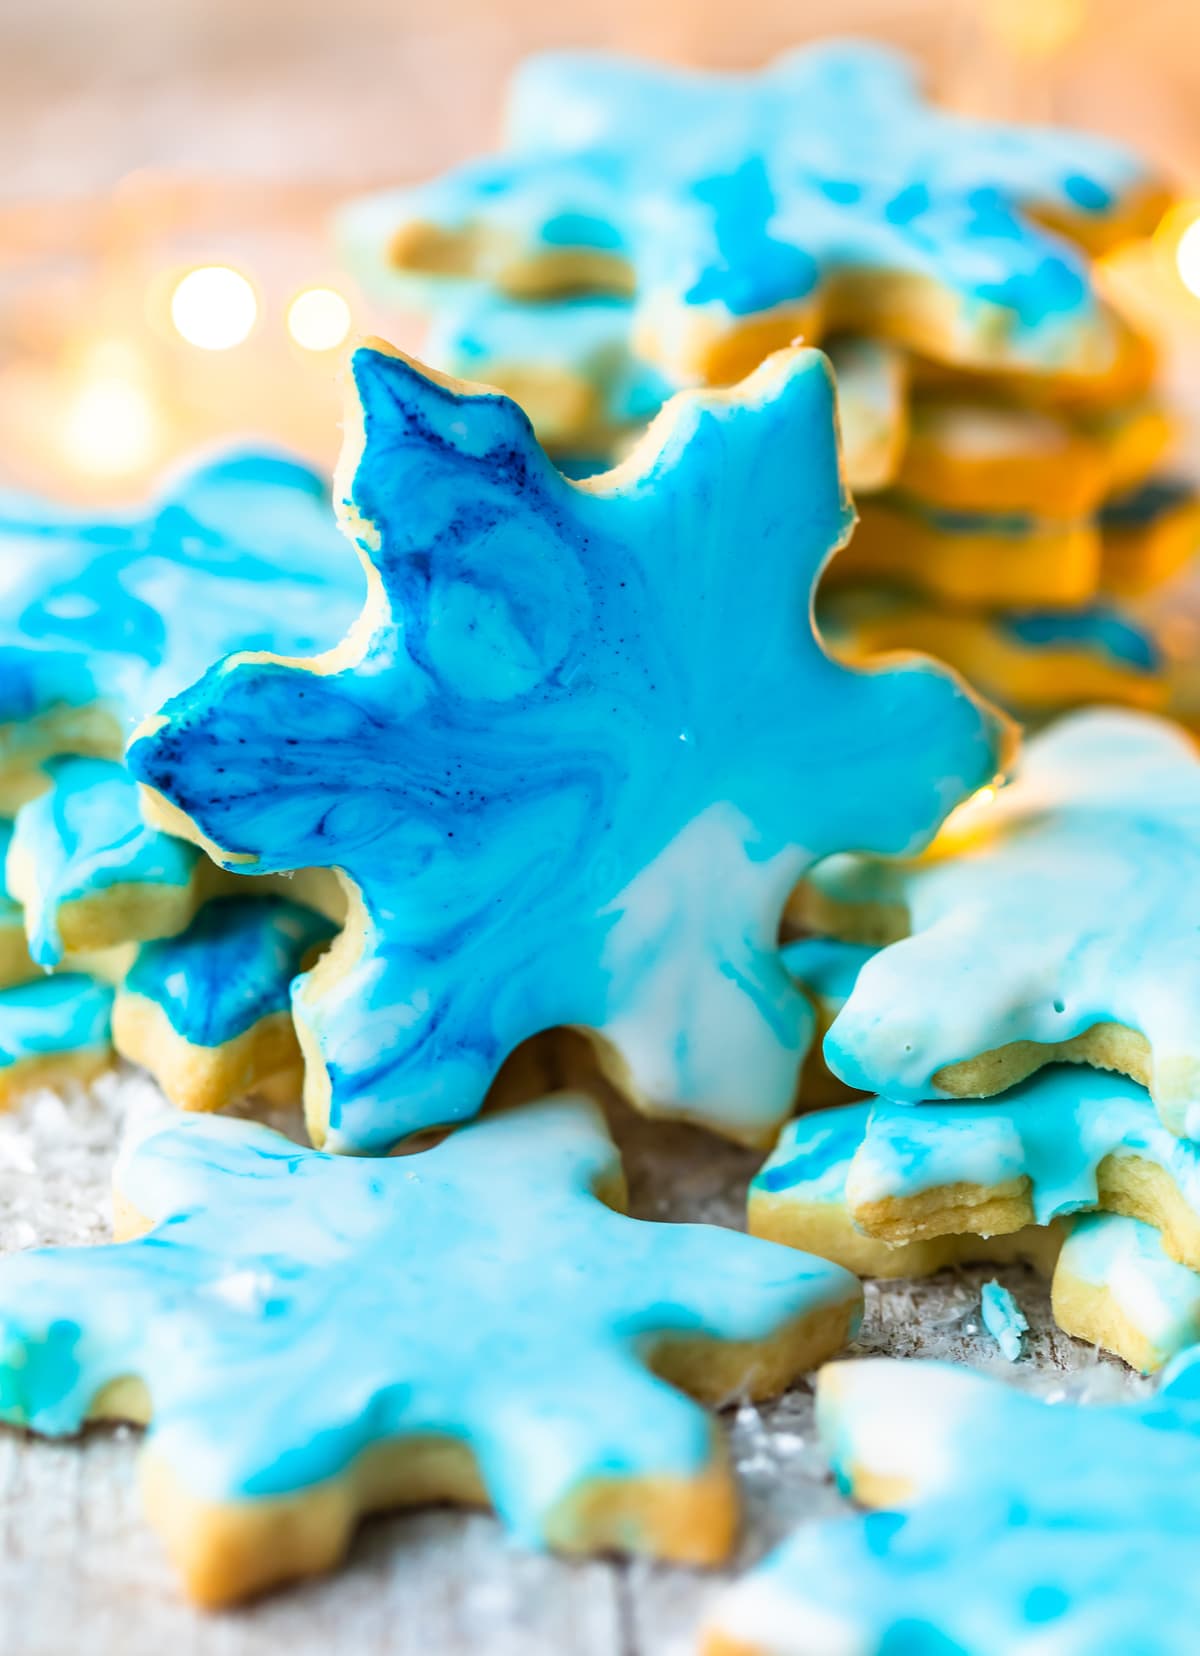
{"x":1035,"y":28}
{"x":109,"y":430}
{"x":214,"y":308}
{"x":983,"y":796}
{"x":318,"y":319}
{"x":1187,"y":257}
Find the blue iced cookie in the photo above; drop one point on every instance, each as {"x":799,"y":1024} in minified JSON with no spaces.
{"x":53,"y":1031}
{"x":88,"y":869}
{"x":1055,"y":920}
{"x":102,"y":620}
{"x":743,"y":210}
{"x":318,"y":1337}
{"x":209,"y":1013}
{"x":585,"y":733}
{"x":1004,"y":1523}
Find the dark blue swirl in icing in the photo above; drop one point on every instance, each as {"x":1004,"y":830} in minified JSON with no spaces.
{"x":590,"y":739}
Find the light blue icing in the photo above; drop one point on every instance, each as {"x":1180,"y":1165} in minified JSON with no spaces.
{"x":1031,"y":1526}
{"x":1125,"y":1259}
{"x":236,"y":553}
{"x":85,"y":836}
{"x":1070,"y":901}
{"x":814,"y":1154}
{"x":476,"y":1291}
{"x":592,"y":738}
{"x":481,"y":334}
{"x":729,"y":195}
{"x":1003,"y":1319}
{"x":826,"y":967}
{"x":1054,"y":1130}
{"x":231,"y":968}
{"x":53,"y":1016}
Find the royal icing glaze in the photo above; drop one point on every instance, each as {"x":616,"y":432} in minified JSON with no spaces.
{"x":1124,"y":1259}
{"x":1003,"y":1319}
{"x":236,"y":553}
{"x":86,"y":839}
{"x":722,"y":198}
{"x":53,"y":1017}
{"x":478,"y":1293}
{"x":1022,"y":1525}
{"x":1061,"y":904}
{"x":529,"y":747}
{"x":232,"y":967}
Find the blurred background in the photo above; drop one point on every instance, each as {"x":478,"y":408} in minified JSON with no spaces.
{"x":169,"y":167}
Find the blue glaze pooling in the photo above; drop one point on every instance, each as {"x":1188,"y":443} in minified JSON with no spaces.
{"x":236,"y":553}
{"x":1027,"y":1525}
{"x":82,"y":838}
{"x":591,"y":737}
{"x":725,"y":196}
{"x":53,"y":1017}
{"x":1067,"y":901}
{"x":232,"y":967}
{"x":477,"y":1291}
{"x":1003,"y":1319}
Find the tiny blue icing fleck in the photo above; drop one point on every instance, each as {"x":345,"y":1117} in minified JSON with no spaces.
{"x":582,"y":736}
{"x":53,"y":1016}
{"x":82,"y":838}
{"x":476,"y":1291}
{"x":232,"y":967}
{"x":1003,"y":1319}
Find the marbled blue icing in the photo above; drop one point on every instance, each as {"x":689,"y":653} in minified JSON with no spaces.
{"x":730,"y":195}
{"x":591,"y":738}
{"x":291,"y":1309}
{"x":1003,"y":1319}
{"x":1028,"y":1526}
{"x":53,"y":1016}
{"x":826,"y":967}
{"x":1069,"y":900}
{"x":84,"y":836}
{"x":231,"y":968}
{"x":236,"y":553}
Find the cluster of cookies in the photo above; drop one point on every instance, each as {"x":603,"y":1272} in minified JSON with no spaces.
{"x":645,"y":229}
{"x":570,"y":753}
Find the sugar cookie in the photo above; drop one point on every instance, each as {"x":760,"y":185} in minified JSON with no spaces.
{"x":1011,"y":1524}
{"x":586,"y":697}
{"x":208,"y":1013}
{"x":1055,"y":921}
{"x":743,"y":211}
{"x":1033,"y":662}
{"x":470,"y":1323}
{"x":53,"y":1031}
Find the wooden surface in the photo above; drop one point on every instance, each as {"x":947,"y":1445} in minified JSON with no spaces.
{"x":80,"y":1571}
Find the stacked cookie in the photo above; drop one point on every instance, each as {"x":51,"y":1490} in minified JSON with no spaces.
{"x":645,"y":228}
{"x":114,"y":932}
{"x":564,"y":754}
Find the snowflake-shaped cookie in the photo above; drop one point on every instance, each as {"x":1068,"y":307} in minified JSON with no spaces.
{"x":1008,"y":1524}
{"x":1057,"y":921}
{"x":102,"y":618}
{"x":320,"y":1336}
{"x":576,"y":755}
{"x":745,"y":209}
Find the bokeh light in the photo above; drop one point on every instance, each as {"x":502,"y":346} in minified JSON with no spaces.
{"x":1187,"y":257}
{"x":214,"y":308}
{"x":110,"y":427}
{"x":318,"y":319}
